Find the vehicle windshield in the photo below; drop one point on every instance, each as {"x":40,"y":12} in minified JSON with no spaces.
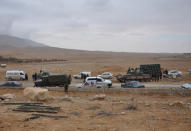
{"x":21,"y":74}
{"x":136,"y":83}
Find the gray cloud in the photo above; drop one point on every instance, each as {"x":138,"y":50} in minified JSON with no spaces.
{"x":113,"y":25}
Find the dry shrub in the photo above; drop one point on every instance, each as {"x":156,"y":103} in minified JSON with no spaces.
{"x":99,"y":97}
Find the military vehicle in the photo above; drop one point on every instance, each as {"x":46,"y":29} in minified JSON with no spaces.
{"x":143,"y":73}
{"x":133,"y":77}
{"x":152,"y":69}
{"x":62,"y":80}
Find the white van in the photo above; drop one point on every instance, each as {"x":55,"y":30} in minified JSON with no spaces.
{"x":15,"y":75}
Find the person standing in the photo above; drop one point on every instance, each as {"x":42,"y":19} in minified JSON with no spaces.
{"x":26,"y":76}
{"x":66,"y":88}
{"x":35,"y":76}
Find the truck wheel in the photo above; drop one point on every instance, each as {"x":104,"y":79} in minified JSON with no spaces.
{"x":109,"y":85}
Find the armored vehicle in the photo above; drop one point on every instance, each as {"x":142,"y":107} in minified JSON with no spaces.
{"x":54,"y":80}
{"x":133,"y":77}
{"x":143,"y":73}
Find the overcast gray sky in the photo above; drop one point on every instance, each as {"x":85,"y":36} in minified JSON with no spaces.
{"x":109,"y":25}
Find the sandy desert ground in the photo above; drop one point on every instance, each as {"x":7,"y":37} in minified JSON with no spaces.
{"x":99,"y":62}
{"x":154,"y":112}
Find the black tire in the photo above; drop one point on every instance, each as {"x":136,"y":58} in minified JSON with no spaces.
{"x":109,"y":85}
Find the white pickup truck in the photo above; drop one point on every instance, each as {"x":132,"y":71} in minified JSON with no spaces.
{"x":99,"y":80}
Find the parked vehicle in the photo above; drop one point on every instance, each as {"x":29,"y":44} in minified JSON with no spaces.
{"x":174,"y":72}
{"x":11,"y":84}
{"x":106,"y":75}
{"x":16,"y":75}
{"x":54,"y":80}
{"x":81,"y":75}
{"x":132,"y":84}
{"x":3,"y":65}
{"x":99,"y":80}
{"x":186,"y":86}
{"x":133,"y":77}
{"x":90,"y":84}
{"x":147,"y":72}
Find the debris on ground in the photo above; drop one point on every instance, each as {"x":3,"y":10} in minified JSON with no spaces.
{"x":7,"y":96}
{"x":36,"y":116}
{"x":37,"y":94}
{"x":22,"y":103}
{"x":93,"y":108}
{"x":131,"y":107}
{"x":179,"y":104}
{"x":66,"y":98}
{"x":37,"y":108}
{"x":99,"y":97}
{"x":104,"y":113}
{"x":74,"y":113}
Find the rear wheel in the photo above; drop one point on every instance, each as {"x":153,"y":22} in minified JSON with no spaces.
{"x":109,"y":85}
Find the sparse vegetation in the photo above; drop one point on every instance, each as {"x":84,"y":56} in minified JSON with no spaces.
{"x":16,"y":60}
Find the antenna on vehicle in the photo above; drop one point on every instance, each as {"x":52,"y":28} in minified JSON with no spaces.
{"x":41,"y":64}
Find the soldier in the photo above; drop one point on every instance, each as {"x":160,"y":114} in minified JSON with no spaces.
{"x":129,"y":70}
{"x":132,"y":70}
{"x":160,"y":75}
{"x":66,"y":88}
{"x":26,"y":76}
{"x":157,"y":76}
{"x":85,"y":76}
{"x":35,"y":76}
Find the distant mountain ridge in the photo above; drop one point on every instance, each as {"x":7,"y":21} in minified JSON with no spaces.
{"x":14,"y":47}
{"x":7,"y":40}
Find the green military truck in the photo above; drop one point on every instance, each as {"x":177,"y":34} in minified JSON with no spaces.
{"x":151,"y":69}
{"x":62,"y":80}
